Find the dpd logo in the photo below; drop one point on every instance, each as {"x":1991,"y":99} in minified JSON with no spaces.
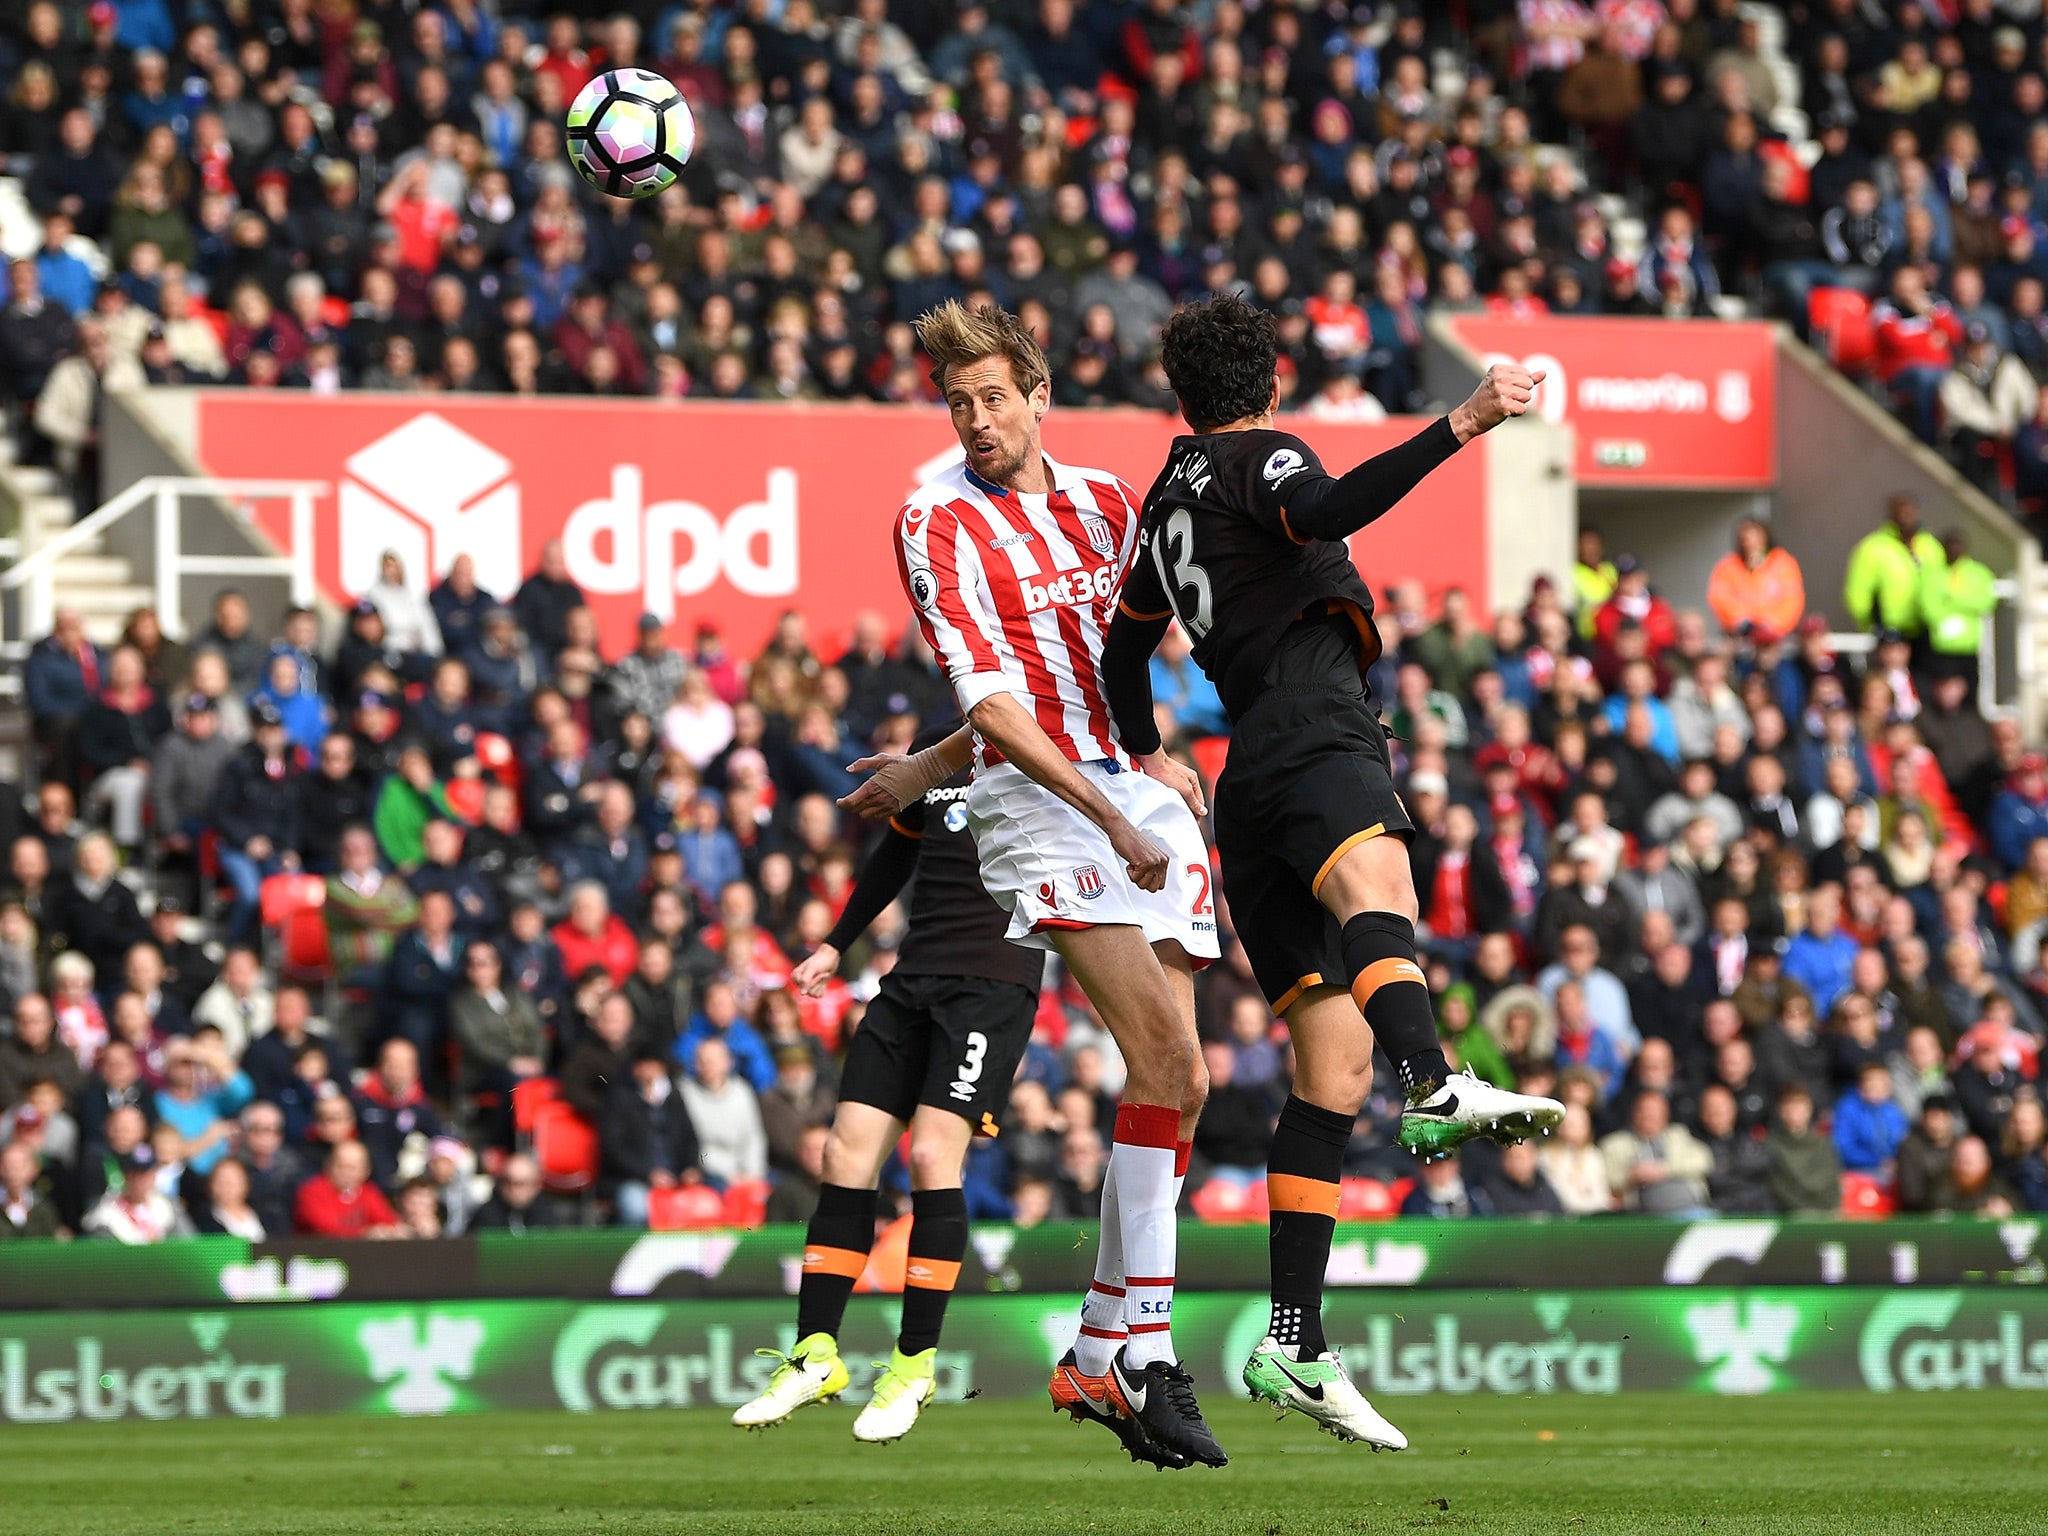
{"x":431,"y":492}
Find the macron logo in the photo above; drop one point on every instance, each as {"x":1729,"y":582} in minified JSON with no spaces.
{"x":431,"y":492}
{"x":1075,"y":589}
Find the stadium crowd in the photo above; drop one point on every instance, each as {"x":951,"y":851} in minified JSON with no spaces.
{"x":1769,"y":920}
{"x":365,"y":195}
{"x":1770,"y":923}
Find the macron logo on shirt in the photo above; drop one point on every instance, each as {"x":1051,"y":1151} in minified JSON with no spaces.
{"x":1076,"y":588}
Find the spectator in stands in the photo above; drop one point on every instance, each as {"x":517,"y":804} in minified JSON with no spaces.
{"x":520,"y":1204}
{"x":135,"y":1211}
{"x":34,"y":333}
{"x":63,"y":675}
{"x":27,"y":1208}
{"x":1806,"y":1174}
{"x":256,"y":814}
{"x":392,"y":1105}
{"x":1184,"y":690}
{"x":366,"y":909}
{"x":117,"y":735}
{"x":1957,"y":599}
{"x":1918,"y":337}
{"x":230,"y":634}
{"x":1655,"y":1165}
{"x":1757,"y":591}
{"x":733,"y":1147}
{"x":648,"y":1142}
{"x":93,"y":912}
{"x":203,"y":1092}
{"x":341,"y":1201}
{"x":185,"y":771}
{"x":496,"y":1027}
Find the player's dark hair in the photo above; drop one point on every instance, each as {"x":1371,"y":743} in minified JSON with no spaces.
{"x":1219,"y":355}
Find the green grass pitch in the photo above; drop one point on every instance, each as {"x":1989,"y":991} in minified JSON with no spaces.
{"x":1969,"y":1462}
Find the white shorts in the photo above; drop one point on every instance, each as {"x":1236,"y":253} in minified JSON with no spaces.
{"x":1051,"y":867}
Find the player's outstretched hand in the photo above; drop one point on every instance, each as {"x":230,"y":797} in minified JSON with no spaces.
{"x":813,"y":974}
{"x":1508,"y":389}
{"x":1178,"y":777}
{"x":1144,"y":859}
{"x":893,"y":786}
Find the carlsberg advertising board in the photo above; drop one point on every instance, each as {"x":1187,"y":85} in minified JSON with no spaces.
{"x":623,"y":1356}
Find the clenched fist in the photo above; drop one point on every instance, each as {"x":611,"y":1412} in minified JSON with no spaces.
{"x":1507,"y":390}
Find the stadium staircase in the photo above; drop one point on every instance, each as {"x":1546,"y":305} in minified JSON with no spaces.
{"x":103,"y":587}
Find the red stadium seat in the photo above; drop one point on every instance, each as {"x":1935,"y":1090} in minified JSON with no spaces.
{"x":495,"y":756}
{"x":1222,"y":1201}
{"x":1839,"y":320}
{"x":684,"y":1207}
{"x":306,"y":956}
{"x":527,"y":1099}
{"x":293,"y":914}
{"x":1209,"y":754}
{"x":466,"y":800}
{"x":1365,"y":1200}
{"x":282,"y":895}
{"x":746,"y":1204}
{"x":565,"y":1146}
{"x":1865,"y":1198}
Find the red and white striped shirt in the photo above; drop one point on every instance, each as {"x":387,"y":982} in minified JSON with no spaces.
{"x":1015,"y":594}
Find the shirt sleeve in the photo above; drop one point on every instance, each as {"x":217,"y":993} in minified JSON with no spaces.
{"x":1315,"y":506}
{"x":941,"y":573}
{"x":1289,"y":473}
{"x":1142,"y":597}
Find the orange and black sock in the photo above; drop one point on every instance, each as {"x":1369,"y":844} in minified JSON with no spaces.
{"x":1302,"y":1174}
{"x":1393,"y":994}
{"x":938,"y":1242}
{"x":835,"y":1252}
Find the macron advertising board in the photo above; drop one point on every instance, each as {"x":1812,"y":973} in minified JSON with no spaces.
{"x":1685,"y":405}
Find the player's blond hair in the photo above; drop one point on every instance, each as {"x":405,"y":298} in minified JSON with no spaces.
{"x":954,"y":336}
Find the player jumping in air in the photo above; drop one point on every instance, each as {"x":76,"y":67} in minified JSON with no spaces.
{"x":936,"y":1051}
{"x":1012,"y":562}
{"x":1242,"y":542}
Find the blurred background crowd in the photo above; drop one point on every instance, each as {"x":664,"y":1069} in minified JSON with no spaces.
{"x":289,"y":919}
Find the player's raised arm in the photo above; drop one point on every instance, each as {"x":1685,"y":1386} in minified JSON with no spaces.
{"x":1323,"y":508}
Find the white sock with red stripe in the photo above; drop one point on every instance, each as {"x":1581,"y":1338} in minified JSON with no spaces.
{"x":1102,"y":1309}
{"x":1147,"y":1139}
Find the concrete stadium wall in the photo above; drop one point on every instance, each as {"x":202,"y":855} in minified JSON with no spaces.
{"x":1840,"y":457}
{"x":154,"y":432}
{"x":1532,"y":507}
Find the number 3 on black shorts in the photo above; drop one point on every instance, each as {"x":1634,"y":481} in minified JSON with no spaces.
{"x":970,"y":1068}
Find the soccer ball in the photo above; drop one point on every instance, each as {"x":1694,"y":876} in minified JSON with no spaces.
{"x":630,"y":133}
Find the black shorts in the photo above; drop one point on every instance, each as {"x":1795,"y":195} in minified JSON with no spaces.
{"x":952,"y":1042}
{"x":1307,"y":780}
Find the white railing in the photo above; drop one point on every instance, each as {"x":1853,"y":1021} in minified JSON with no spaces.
{"x":34,"y":577}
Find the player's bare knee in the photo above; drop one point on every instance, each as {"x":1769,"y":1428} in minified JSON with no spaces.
{"x":1161,"y":1063}
{"x":934,"y":1165}
{"x":1341,"y":1086}
{"x":842,"y":1163}
{"x":1196,"y":1094}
